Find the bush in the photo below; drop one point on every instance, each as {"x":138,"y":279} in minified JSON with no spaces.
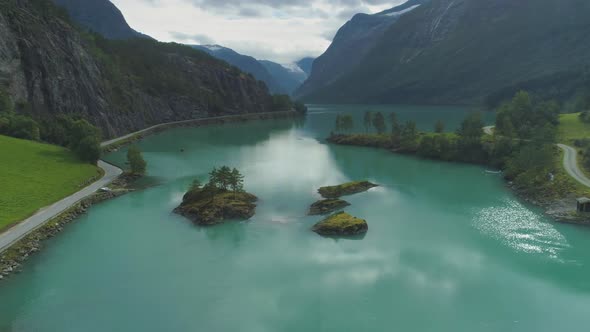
{"x":88,"y":149}
{"x":136,"y":161}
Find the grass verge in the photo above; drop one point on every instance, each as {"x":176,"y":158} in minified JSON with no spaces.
{"x":34,"y":175}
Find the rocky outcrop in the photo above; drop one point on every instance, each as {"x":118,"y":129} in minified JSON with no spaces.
{"x":326,"y":206}
{"x":346,"y":189}
{"x":49,"y":67}
{"x":341,"y":224}
{"x":207,"y":207}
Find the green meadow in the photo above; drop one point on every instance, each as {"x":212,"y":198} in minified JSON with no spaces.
{"x":34,"y":175}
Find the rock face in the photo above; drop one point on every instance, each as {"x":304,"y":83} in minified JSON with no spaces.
{"x":352,"y":42}
{"x":439,"y":52}
{"x":208,"y":208}
{"x":341,"y":224}
{"x":48,"y":67}
{"x":346,"y":189}
{"x":327,"y":206}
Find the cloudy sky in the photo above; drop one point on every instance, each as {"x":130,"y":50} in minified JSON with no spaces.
{"x":279,"y":30}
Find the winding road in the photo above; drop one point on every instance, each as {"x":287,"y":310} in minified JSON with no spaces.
{"x":25,"y":227}
{"x":570,"y":163}
{"x":22,"y":229}
{"x":570,"y":160}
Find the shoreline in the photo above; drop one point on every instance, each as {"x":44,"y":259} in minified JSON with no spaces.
{"x":115,"y":143}
{"x":561,"y":209}
{"x":13,"y":255}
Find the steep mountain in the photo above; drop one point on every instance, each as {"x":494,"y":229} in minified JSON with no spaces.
{"x":100,"y":16}
{"x":246,"y":63}
{"x":464,"y":51}
{"x":350,"y":45}
{"x":49,"y":68}
{"x":289,"y":78}
{"x":306,"y":65}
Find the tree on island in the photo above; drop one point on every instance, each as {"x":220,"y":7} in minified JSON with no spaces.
{"x":439,"y":127}
{"x":236,"y":181}
{"x":226,"y":179}
{"x":409,"y":136}
{"x":136,"y":162}
{"x":396,"y":129}
{"x":367,"y":121}
{"x":379,"y":123}
{"x":344,"y":123}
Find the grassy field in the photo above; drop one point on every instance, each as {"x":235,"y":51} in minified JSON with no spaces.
{"x":571,"y":128}
{"x":34,"y":175}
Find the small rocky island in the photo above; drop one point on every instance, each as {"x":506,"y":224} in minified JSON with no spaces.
{"x":327,"y":206}
{"x":222,"y":198}
{"x":346,"y":189}
{"x":341,"y":224}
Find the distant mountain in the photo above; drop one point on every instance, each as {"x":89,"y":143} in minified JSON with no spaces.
{"x":289,"y":78}
{"x":100,"y":16}
{"x":350,"y":45}
{"x":468,"y":51}
{"x":246,"y":63}
{"x":305,"y":64}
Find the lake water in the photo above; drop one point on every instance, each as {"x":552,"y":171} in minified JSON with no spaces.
{"x":449,"y":248}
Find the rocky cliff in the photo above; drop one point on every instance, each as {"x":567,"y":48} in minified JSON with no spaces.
{"x":350,"y":45}
{"x":465,"y":51}
{"x":49,"y":67}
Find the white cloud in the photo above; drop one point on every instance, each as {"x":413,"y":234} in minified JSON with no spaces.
{"x":278,"y":30}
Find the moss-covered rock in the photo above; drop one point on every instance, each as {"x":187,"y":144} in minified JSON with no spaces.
{"x":326,"y":206}
{"x":345,"y":189}
{"x":210,"y":206}
{"x":341,"y":224}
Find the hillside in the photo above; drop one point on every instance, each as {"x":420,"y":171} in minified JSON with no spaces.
{"x":352,"y":43}
{"x":246,"y":63}
{"x":34,"y":175}
{"x":49,"y":67}
{"x":100,"y":16}
{"x":466,"y":51}
{"x":289,"y":78}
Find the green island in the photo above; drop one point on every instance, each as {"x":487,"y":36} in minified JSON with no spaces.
{"x":345,"y":189}
{"x":523,"y":145}
{"x":36,"y":175}
{"x":326,"y":206}
{"x":222,"y":198}
{"x":341,"y":224}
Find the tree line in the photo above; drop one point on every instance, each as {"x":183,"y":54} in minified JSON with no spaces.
{"x":523,"y":144}
{"x":76,"y":134}
{"x":221,"y":179}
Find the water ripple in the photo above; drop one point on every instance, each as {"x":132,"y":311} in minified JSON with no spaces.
{"x":521,"y":229}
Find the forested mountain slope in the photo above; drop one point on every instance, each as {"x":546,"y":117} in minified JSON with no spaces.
{"x":48,"y":67}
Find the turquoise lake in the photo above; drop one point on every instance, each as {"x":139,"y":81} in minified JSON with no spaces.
{"x":449,"y":248}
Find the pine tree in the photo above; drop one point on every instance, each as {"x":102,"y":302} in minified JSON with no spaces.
{"x":367,"y":121}
{"x":236,"y":181}
{"x":396,"y":129}
{"x":439,"y":127}
{"x":379,"y":123}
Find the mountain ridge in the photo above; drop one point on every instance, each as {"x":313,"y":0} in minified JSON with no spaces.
{"x":464,"y":51}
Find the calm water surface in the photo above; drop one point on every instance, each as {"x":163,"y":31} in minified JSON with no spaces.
{"x":448,"y":247}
